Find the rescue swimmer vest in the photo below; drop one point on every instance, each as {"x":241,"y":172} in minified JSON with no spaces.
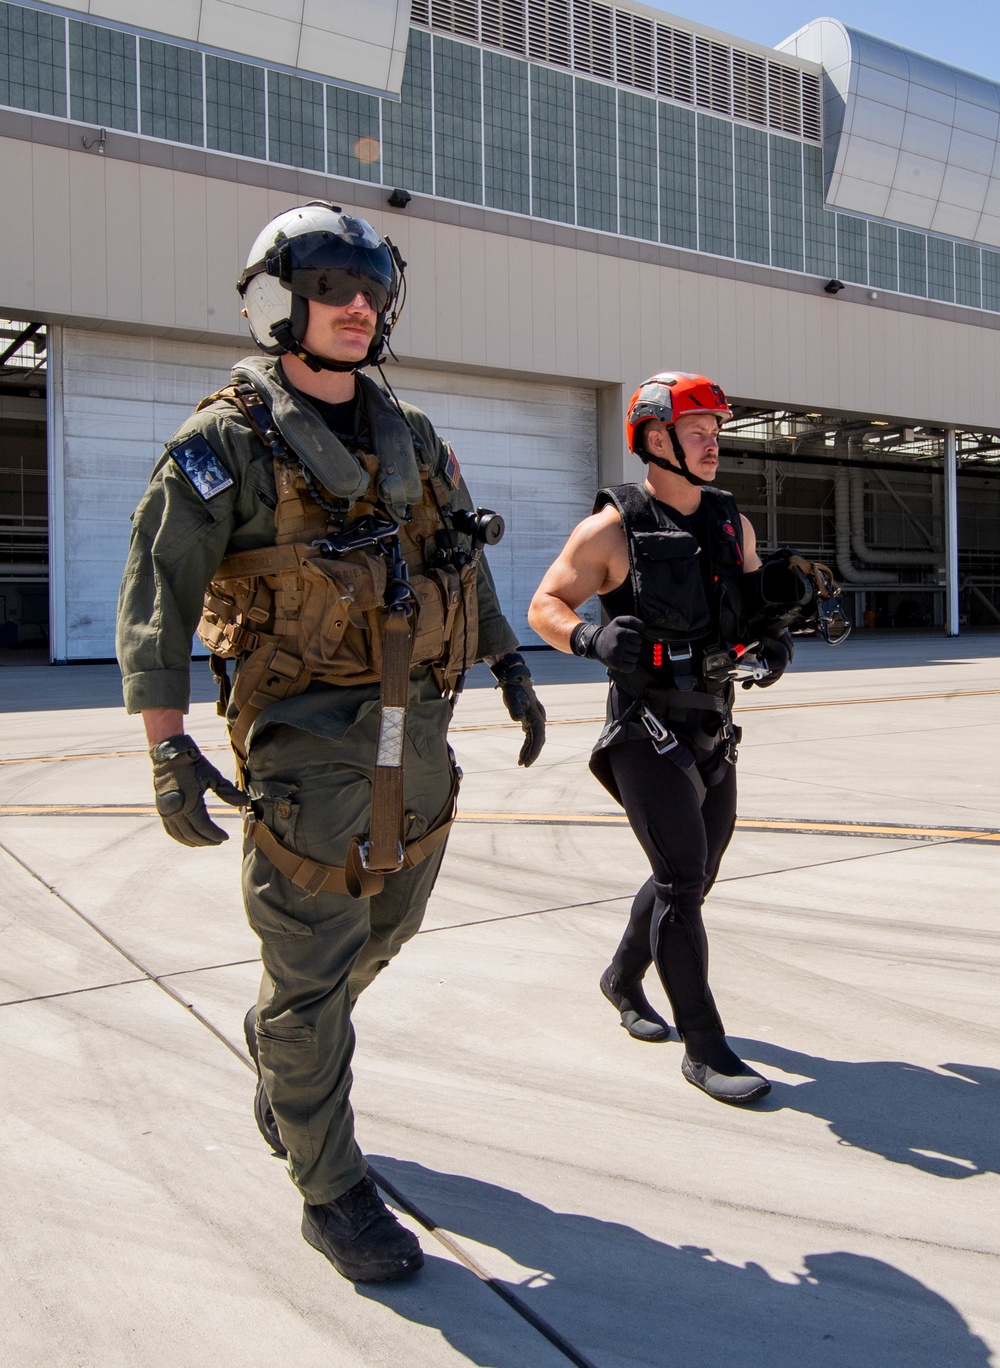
{"x":680,"y":602}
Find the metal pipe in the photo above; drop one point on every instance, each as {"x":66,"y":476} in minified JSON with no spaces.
{"x":860,"y":547}
{"x":951,"y":532}
{"x":849,"y":573}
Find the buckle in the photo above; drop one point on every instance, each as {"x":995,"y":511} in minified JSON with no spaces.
{"x":682,"y":652}
{"x":364,"y":854}
{"x":663,"y":739}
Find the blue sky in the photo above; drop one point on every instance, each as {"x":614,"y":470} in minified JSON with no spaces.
{"x":965,"y":33}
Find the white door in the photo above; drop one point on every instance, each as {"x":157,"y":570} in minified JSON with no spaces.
{"x":528,"y":451}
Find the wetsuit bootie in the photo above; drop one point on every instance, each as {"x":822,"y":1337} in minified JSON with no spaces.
{"x":361,"y":1237}
{"x":712,"y":1066}
{"x":638,"y":1017}
{"x":262,"y":1112}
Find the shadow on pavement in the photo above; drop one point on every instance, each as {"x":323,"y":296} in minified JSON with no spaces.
{"x":941,"y":1123}
{"x":625,"y":1300}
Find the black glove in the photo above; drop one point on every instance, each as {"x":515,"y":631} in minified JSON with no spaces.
{"x":181,"y":778}
{"x":617,"y":644}
{"x":775,"y":653}
{"x":522,"y":703}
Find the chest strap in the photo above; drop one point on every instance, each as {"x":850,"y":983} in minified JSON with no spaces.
{"x":353,"y":878}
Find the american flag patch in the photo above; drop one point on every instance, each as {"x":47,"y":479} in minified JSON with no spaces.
{"x":452,"y":470}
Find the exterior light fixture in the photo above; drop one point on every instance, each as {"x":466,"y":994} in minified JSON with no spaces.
{"x":399,"y":199}
{"x":833,"y":286}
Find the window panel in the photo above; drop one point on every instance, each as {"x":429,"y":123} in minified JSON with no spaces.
{"x":102,"y":80}
{"x":170,"y":93}
{"x":457,"y":121}
{"x":968,"y":277}
{"x":991,"y":280}
{"x":234,"y":107}
{"x":715,"y":186}
{"x":505,"y":133}
{"x":678,"y":178}
{"x":753,"y":235}
{"x":596,"y":157}
{"x":852,"y":249}
{"x":912,"y":262}
{"x":821,"y":225}
{"x":406,"y":124}
{"x":295,"y":120}
{"x":786,"y":204}
{"x":352,"y":135}
{"x":883,"y":256}
{"x":940,"y":268}
{"x":552,"y":145}
{"x":32,"y":60}
{"x":637,"y":180}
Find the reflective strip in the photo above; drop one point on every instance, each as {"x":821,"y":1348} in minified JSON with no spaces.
{"x":390,"y":738}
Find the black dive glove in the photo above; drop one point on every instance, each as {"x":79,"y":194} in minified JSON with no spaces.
{"x":522,"y":703}
{"x":775,"y":653}
{"x":617,"y":644}
{"x":181,"y":778}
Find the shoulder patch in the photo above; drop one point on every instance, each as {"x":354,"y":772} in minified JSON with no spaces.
{"x":203,"y":468}
{"x":452,"y":470}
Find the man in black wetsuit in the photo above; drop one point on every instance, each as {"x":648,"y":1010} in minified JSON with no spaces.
{"x":674,"y":563}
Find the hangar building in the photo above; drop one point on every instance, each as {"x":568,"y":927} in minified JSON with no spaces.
{"x":596,"y":192}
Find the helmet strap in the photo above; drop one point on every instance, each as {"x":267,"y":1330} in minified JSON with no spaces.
{"x":284,"y":335}
{"x":663,"y":464}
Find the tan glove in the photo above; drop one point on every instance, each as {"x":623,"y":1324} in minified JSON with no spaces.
{"x":181,"y":778}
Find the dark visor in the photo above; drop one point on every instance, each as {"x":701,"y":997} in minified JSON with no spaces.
{"x":339,"y":287}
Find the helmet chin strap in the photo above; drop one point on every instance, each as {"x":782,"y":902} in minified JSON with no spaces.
{"x":681,"y":458}
{"x":289,"y":343}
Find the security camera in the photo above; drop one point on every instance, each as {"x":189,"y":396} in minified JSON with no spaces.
{"x":399,"y":199}
{"x":831,"y":286}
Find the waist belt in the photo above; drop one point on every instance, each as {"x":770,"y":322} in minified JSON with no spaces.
{"x":354,"y":878}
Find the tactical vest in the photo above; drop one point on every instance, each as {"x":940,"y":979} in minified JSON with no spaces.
{"x":677,"y":601}
{"x":292,"y":615}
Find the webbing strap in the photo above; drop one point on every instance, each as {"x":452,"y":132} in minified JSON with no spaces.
{"x":265,"y":560}
{"x":383,"y":851}
{"x":353,"y":878}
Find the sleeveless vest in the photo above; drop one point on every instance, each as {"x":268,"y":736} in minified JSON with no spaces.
{"x":678,"y":601}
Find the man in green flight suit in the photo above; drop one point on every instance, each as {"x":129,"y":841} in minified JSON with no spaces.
{"x":319,"y":534}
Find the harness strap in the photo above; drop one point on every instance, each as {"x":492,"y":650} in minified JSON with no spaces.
{"x":383,"y":850}
{"x":353,"y":878}
{"x":265,"y":560}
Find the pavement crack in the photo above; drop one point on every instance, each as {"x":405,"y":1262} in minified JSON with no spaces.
{"x":127,"y":955}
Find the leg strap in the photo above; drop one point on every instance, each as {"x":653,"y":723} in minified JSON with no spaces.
{"x":353,"y":878}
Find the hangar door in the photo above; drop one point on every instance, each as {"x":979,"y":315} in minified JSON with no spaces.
{"x":528,"y":451}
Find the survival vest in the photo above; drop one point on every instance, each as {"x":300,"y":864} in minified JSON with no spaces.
{"x":292,"y":615}
{"x":679,"y":603}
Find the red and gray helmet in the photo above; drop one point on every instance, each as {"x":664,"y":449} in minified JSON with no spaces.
{"x":665,"y":397}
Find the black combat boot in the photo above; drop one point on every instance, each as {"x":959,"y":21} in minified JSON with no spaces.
{"x":361,"y":1237}
{"x":638,"y":1017}
{"x":712,"y":1066}
{"x":262,"y":1112}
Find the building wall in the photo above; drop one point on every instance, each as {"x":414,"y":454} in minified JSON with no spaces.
{"x":363,"y":44}
{"x":111,"y":243}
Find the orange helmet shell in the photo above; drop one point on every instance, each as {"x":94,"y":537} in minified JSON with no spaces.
{"x":665,"y":397}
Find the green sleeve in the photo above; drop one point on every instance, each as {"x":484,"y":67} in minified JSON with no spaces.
{"x":178,"y":541}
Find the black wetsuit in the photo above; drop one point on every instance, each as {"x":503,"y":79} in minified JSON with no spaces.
{"x":683,"y":826}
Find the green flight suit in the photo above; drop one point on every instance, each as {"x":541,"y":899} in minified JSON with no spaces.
{"x":310,"y":758}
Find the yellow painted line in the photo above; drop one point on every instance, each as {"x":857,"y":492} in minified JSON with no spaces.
{"x":603,"y":819}
{"x":554,"y":722}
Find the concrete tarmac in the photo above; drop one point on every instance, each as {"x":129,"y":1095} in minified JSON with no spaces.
{"x":589,"y":1205}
